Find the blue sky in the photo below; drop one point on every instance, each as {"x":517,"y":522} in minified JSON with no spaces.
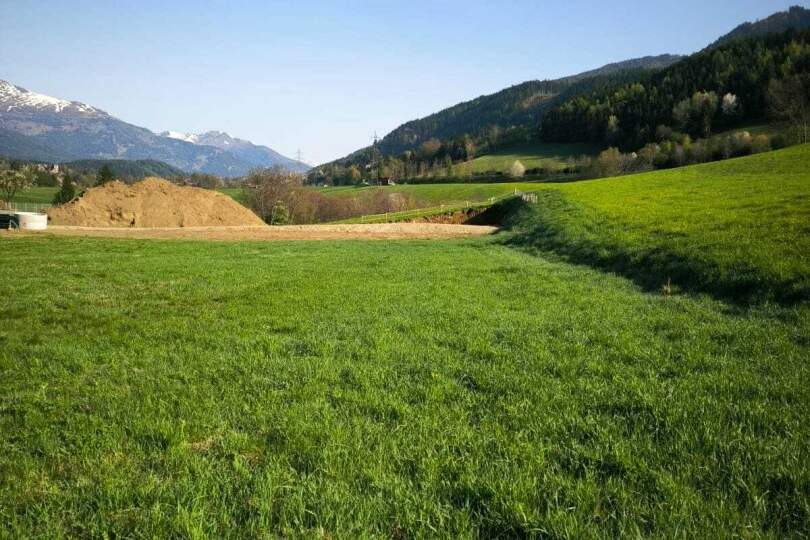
{"x":324,"y":76}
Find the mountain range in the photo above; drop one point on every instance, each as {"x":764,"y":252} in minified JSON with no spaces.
{"x":38,"y":127}
{"x":242,"y":149}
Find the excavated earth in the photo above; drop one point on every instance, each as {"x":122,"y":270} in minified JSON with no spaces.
{"x":152,"y":203}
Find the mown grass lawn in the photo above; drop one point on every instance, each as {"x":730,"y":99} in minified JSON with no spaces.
{"x":387,"y":389}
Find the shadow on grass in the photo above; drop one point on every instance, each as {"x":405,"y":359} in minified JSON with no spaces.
{"x":557,"y":226}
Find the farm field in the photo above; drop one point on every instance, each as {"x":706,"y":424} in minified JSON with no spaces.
{"x":533,"y":383}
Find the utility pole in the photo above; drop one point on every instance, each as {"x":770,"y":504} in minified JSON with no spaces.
{"x":374,"y":174}
{"x":298,"y":156}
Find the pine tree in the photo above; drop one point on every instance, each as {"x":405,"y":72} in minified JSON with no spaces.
{"x":104,"y":175}
{"x":66,"y":193}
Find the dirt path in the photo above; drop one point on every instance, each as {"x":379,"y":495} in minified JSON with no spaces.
{"x":382,"y":231}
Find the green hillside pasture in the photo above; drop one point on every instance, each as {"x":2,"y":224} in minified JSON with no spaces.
{"x":739,"y":227}
{"x":531,"y":155}
{"x":455,"y":389}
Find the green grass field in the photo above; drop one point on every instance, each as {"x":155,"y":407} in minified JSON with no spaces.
{"x":530,"y":384}
{"x":739,"y":226}
{"x":38,"y":195}
{"x":531,"y":155}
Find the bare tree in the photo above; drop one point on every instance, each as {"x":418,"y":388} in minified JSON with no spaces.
{"x":269,"y":187}
{"x":14,"y":180}
{"x":789,"y":100}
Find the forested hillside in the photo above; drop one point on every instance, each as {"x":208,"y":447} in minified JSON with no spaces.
{"x":518,"y":107}
{"x":714,"y":89}
{"x":475,"y":127}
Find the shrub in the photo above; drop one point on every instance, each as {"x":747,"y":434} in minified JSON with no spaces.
{"x":517,"y":170}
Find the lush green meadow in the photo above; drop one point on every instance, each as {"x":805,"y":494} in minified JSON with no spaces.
{"x":405,"y":388}
{"x":739,"y":227}
{"x":536,"y":383}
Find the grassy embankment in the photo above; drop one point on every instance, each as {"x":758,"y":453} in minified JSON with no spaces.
{"x":740,"y":226}
{"x":409,"y":389}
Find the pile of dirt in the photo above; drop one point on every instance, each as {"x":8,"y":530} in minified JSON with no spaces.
{"x":153,"y":202}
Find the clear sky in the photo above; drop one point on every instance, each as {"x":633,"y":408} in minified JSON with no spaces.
{"x":323,"y":76}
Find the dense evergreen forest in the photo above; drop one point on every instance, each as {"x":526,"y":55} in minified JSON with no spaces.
{"x":711,"y":90}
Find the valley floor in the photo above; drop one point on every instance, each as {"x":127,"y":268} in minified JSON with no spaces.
{"x":461,"y":388}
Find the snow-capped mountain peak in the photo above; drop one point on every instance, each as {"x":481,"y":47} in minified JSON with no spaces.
{"x":14,"y":97}
{"x":188,"y":137}
{"x":257,"y":155}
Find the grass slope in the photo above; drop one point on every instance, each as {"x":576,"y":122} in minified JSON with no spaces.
{"x":405,"y":389}
{"x":532,"y":155}
{"x":738,"y":228}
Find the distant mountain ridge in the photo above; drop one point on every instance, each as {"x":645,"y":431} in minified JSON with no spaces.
{"x":260,"y":156}
{"x":795,"y":18}
{"x":36,"y":126}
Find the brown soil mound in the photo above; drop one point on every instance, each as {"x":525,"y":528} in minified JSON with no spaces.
{"x":153,"y":202}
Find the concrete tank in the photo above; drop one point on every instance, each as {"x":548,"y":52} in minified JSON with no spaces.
{"x":29,"y":221}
